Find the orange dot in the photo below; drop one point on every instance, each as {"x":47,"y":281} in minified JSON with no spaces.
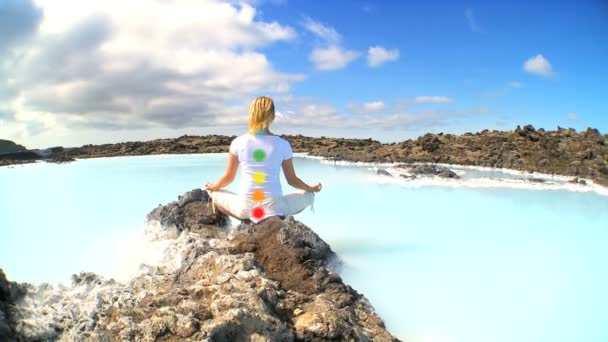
{"x":258,"y":195}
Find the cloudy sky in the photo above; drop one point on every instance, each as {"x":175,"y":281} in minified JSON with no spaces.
{"x":79,"y":72}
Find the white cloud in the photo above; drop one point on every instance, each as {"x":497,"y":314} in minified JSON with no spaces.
{"x":327,"y":33}
{"x":332,"y":57}
{"x":307,"y":112}
{"x":538,"y":65}
{"x":367,"y":107}
{"x":432,"y":99}
{"x":329,"y":55}
{"x":573,"y":117}
{"x":473,"y":26}
{"x":135,"y":65}
{"x":377,"y":55}
{"x":516,"y":85}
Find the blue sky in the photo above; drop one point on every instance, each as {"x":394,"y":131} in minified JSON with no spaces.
{"x":390,"y":70}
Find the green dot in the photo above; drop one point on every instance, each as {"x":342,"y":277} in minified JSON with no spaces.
{"x":259,"y":155}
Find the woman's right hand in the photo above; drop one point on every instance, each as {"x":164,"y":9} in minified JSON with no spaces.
{"x":316,"y":188}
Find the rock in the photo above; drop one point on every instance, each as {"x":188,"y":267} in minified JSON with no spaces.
{"x":7,"y":146}
{"x":172,"y":214}
{"x":269,"y":281}
{"x":535,"y":180}
{"x":447,"y":173}
{"x":425,"y":169}
{"x":86,"y":278}
{"x":433,"y":170}
{"x":11,"y":293}
{"x":298,"y":235}
{"x":577,"y":180}
{"x":192,"y":196}
{"x":59,"y":158}
{"x":383,"y":172}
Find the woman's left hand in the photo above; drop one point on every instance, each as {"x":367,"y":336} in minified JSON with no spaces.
{"x":210,"y":187}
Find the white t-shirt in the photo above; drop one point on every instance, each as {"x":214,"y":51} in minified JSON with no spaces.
{"x":260,"y":158}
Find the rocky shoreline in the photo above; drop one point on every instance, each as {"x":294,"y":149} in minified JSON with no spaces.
{"x":273,"y":281}
{"x":560,"y":152}
{"x":53,"y":155}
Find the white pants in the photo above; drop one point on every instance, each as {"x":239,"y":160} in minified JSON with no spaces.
{"x":241,"y":207}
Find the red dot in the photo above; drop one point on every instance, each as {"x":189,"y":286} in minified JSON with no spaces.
{"x":258,"y":212}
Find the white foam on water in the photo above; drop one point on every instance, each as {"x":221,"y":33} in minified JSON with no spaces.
{"x":135,"y":252}
{"x":126,"y":256}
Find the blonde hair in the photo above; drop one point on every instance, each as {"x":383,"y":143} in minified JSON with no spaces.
{"x":261,"y":113}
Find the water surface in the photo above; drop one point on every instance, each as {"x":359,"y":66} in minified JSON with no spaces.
{"x":439,"y":260}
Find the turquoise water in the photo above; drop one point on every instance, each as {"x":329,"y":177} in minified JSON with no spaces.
{"x":439,"y":263}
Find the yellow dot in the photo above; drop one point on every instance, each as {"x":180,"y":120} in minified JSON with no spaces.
{"x":258,"y":195}
{"x":259,"y":177}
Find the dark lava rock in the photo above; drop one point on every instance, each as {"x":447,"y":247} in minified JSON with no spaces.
{"x":7,"y":146}
{"x":174,"y":215}
{"x":192,"y":196}
{"x":433,"y":170}
{"x":24,"y":155}
{"x":297,"y":235}
{"x":10,"y":294}
{"x":577,"y":180}
{"x":383,"y":173}
{"x":60,"y":158}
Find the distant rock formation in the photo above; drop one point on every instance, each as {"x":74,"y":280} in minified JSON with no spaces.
{"x":564,"y":151}
{"x":7,"y":146}
{"x":24,"y":156}
{"x":266,"y":282}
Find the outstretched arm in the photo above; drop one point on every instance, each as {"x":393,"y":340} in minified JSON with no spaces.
{"x":293,"y":180}
{"x":229,"y":175}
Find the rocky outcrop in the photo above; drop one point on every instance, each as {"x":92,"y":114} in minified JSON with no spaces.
{"x":181,"y":145}
{"x":7,"y":146}
{"x":10,"y":294}
{"x":271,"y":281}
{"x":18,"y":158}
{"x":52,"y":155}
{"x":563,"y":151}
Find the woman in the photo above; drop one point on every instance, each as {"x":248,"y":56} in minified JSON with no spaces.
{"x":261,"y":155}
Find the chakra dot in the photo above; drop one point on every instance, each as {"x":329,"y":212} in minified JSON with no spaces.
{"x":257,"y":212}
{"x":259,"y":177}
{"x":259,"y":155}
{"x":258,"y":195}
